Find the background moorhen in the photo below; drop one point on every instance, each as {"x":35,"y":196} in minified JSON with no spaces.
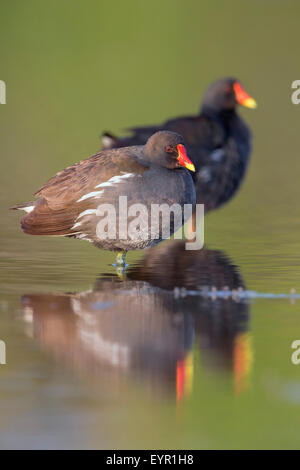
{"x":68,"y":204}
{"x":218,"y":141}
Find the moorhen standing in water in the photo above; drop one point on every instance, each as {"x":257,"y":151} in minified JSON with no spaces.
{"x":218,"y":141}
{"x":68,"y":204}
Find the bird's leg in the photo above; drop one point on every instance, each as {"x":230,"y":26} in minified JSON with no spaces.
{"x":192,"y":227}
{"x":121,"y":258}
{"x":121,"y":264}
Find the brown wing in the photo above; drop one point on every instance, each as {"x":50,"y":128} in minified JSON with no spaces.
{"x":45,"y":221}
{"x":71,"y":183}
{"x":60,"y":203}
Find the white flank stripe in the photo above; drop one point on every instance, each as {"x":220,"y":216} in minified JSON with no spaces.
{"x":87,"y":212}
{"x":76,"y":225}
{"x":92,"y":194}
{"x":114,"y":180}
{"x":107,"y":141}
{"x":83,"y":236}
{"x":26,"y":209}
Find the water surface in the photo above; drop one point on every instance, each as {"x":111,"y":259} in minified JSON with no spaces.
{"x":179,"y":353}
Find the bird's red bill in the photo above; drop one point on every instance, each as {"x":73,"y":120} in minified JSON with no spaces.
{"x":183,"y":158}
{"x":242,"y":97}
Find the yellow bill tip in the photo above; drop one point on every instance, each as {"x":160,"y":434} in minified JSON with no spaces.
{"x":190,"y":166}
{"x":249,"y":103}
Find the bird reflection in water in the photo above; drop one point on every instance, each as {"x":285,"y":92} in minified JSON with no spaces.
{"x":147,"y":326}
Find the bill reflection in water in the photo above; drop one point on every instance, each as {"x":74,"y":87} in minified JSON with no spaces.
{"x":148,"y":326}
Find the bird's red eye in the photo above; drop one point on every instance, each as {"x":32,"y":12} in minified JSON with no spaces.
{"x":227,"y":89}
{"x":169,"y":148}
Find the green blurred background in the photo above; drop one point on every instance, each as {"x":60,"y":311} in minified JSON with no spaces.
{"x":76,"y":68}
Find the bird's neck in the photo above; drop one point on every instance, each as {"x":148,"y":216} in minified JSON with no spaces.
{"x":218,"y":114}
